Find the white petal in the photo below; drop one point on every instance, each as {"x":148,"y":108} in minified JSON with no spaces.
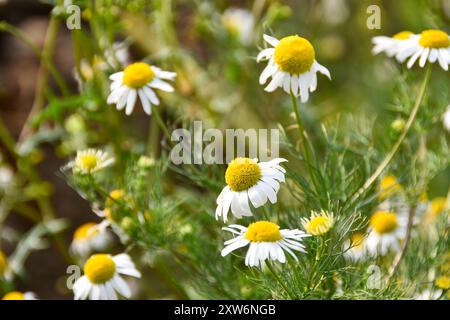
{"x":234,"y":246}
{"x":131,"y":101}
{"x":271,"y":40}
{"x":145,"y":102}
{"x":160,"y":84}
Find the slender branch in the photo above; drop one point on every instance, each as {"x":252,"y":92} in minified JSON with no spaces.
{"x":400,"y":140}
{"x":401,"y":253}
{"x":277,"y":278}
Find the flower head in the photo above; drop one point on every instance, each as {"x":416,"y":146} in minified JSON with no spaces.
{"x":102,"y":278}
{"x":17,"y":295}
{"x":266,"y":242}
{"x":87,"y":238}
{"x":387,"y":229}
{"x":292,"y":66}
{"x":249,"y":182}
{"x":442,"y":282}
{"x":355,"y":247}
{"x":319,"y":223}
{"x":138,"y":80}
{"x":436,"y":207}
{"x":430,"y":45}
{"x":389,"y":186}
{"x":89,"y":161}
{"x":239,"y":22}
{"x":390,"y":45}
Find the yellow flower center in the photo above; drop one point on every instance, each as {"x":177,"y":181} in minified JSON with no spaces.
{"x":436,"y":39}
{"x":404,"y":35}
{"x":3,"y":263}
{"x":443,"y":283}
{"x":114,"y":196}
{"x":85,"y":231}
{"x":14,"y":295}
{"x":384,"y":222}
{"x":357,"y":240}
{"x":137,"y":75}
{"x":437,"y":206}
{"x":88,"y":161}
{"x":319,"y":225}
{"x":263,"y":231}
{"x":294,"y":55}
{"x":100,"y":268}
{"x":242,"y":174}
{"x":389,"y":186}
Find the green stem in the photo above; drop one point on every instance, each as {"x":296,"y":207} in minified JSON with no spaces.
{"x":382,"y":166}
{"x":278,"y":279}
{"x":161,"y":124}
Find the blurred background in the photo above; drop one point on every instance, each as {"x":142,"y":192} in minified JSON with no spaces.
{"x":212,"y":45}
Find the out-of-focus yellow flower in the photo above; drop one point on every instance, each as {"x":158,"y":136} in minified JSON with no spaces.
{"x":437,"y":206}
{"x":16,"y":295}
{"x":3,"y":264}
{"x":389,"y":186}
{"x":443,"y":282}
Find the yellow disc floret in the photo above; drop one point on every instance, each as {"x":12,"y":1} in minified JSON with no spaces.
{"x":3,"y":263}
{"x":384,"y":222}
{"x":437,"y":206}
{"x":242,"y":174}
{"x":357,"y":240}
{"x":137,"y":75}
{"x":88,"y":162}
{"x":435,"y":39}
{"x":319,"y":223}
{"x":100,"y":268}
{"x":85,"y":231}
{"x":263,"y":231}
{"x":443,"y":283}
{"x":14,"y":295}
{"x":389,"y":186}
{"x":403,"y":35}
{"x":294,"y":55}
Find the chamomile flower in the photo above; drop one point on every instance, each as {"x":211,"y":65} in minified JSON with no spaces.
{"x":390,"y":45}
{"x":89,"y":237}
{"x":387,"y":230}
{"x":355,"y":247}
{"x":292,"y":66}
{"x":102,"y":278}
{"x":17,"y":295}
{"x":430,"y":45}
{"x":442,"y":282}
{"x":239,"y":22}
{"x":319,"y":223}
{"x":89,"y":161}
{"x":266,"y":242}
{"x":138,"y":81}
{"x":446,"y":119}
{"x":436,"y":207}
{"x":249,"y":182}
{"x":389,"y":186}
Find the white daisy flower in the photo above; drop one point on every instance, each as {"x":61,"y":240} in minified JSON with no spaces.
{"x":249,"y":182}
{"x":354,"y":248}
{"x":102,"y":278}
{"x":386,"y":231}
{"x":390,"y":45}
{"x":89,"y":237}
{"x":292,"y":66}
{"x":430,"y":45}
{"x":17,"y":295}
{"x":446,"y":119}
{"x":138,"y":80}
{"x":89,"y":161}
{"x":240,"y":22}
{"x":319,"y":223}
{"x":266,"y":242}
{"x":428,"y":294}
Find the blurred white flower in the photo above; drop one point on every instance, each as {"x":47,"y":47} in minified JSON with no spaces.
{"x":6,"y":176}
{"x":89,"y":237}
{"x":240,"y":22}
{"x":390,"y":45}
{"x":446,"y":119}
{"x":17,"y":295}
